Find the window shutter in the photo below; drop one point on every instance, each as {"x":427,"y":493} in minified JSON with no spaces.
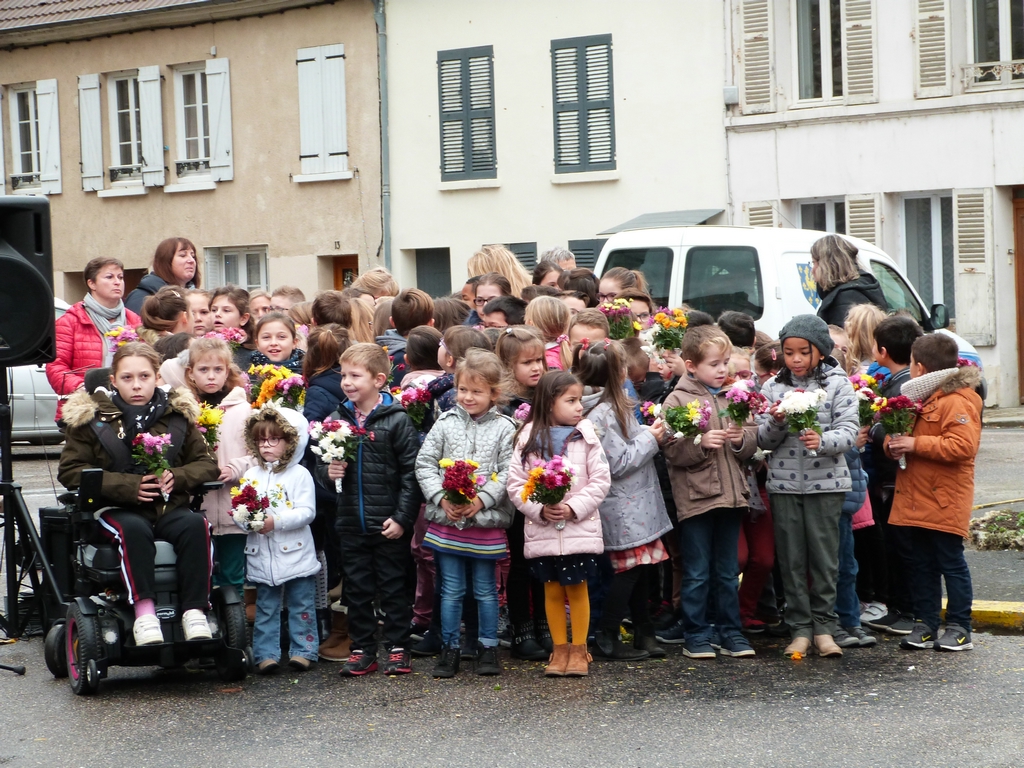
{"x":323,"y":135}
{"x":864,"y":217}
{"x":973,"y":256}
{"x":762,"y":214}
{"x":586,"y":251}
{"x":90,"y":125}
{"x":466,"y":95}
{"x":525,"y":252}
{"x":213,"y":277}
{"x":335,"y":128}
{"x":757,"y":93}
{"x":49,"y":136}
{"x":218,"y":86}
{"x":152,"y":117}
{"x":584,"y":104}
{"x":860,"y":51}
{"x":931,"y":48}
{"x":3,"y":175}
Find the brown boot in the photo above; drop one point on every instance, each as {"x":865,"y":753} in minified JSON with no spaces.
{"x":579,"y":661}
{"x":558,"y":661}
{"x":798,"y":648}
{"x":826,"y":646}
{"x":338,"y":644}
{"x":249,"y":598}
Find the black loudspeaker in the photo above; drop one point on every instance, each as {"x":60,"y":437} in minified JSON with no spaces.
{"x":26,"y":282}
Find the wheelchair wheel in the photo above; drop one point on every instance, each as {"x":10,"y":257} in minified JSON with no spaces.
{"x":231,"y":665}
{"x":83,"y":651}
{"x":54,"y":652}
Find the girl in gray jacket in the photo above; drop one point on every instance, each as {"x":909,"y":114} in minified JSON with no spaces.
{"x":633,"y":516}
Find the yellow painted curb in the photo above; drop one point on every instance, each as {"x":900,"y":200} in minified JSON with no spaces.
{"x":995,"y":614}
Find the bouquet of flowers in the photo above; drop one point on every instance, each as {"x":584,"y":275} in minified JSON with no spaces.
{"x":208,"y":423}
{"x":669,"y":327}
{"x":336,"y":441}
{"x":250,"y":508}
{"x":460,"y":483}
{"x":151,"y":452}
{"x":800,"y":408}
{"x":120,"y":336}
{"x":866,"y":389}
{"x":233,"y":336}
{"x":415,"y":400}
{"x":522,"y":413}
{"x":896,"y":415}
{"x":548,"y":482}
{"x":649,"y":412}
{"x":276,"y":383}
{"x":744,"y":400}
{"x":690,"y":420}
{"x":621,"y":322}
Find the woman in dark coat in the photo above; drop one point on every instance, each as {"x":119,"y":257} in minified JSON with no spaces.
{"x":841,"y":282}
{"x":174,"y":263}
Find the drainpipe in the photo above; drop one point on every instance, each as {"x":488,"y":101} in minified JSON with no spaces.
{"x":385,"y":150}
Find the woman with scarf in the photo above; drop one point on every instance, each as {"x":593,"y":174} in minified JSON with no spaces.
{"x":81,"y":343}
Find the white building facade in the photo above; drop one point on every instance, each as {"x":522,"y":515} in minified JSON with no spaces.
{"x":542,"y":123}
{"x":897,"y":122}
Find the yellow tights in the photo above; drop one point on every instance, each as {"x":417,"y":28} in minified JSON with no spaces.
{"x":555,"y":596}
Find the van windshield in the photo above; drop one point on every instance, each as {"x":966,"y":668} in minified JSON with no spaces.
{"x":897,"y":293}
{"x":654,"y":263}
{"x":721,"y":278}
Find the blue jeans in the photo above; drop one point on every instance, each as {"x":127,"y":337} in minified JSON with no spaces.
{"x":453,"y":587}
{"x":266,"y":634}
{"x":847,"y":602}
{"x":929,"y":556}
{"x":705,"y":540}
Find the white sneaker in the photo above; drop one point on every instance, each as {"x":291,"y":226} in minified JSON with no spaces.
{"x":872,"y":611}
{"x":195,"y":626}
{"x":146,"y":630}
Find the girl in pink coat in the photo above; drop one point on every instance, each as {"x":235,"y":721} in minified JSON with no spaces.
{"x":562,"y":540}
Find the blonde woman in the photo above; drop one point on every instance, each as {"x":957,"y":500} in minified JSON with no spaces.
{"x":498,"y":258}
{"x":861,"y":322}
{"x":841,"y":282}
{"x":361,"y":329}
{"x":378,"y":282}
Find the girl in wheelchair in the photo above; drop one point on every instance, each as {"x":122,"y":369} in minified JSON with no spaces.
{"x":101,"y":428}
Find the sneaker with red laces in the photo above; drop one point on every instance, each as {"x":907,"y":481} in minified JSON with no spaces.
{"x":359,"y":663}
{"x":398,"y":662}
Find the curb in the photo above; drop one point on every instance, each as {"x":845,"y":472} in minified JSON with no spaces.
{"x":995,"y":614}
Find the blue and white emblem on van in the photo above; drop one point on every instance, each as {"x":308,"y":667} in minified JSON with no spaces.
{"x":807,"y":285}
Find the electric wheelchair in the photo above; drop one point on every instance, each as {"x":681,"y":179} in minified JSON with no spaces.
{"x":97,"y":631}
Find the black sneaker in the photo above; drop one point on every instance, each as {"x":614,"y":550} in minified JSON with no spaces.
{"x":920,"y":637}
{"x":398,"y":662}
{"x":359,"y":663}
{"x":417,"y":631}
{"x":430,"y":645}
{"x":844,"y":639}
{"x":674,"y":635}
{"x":487,"y":660}
{"x":894,"y":623}
{"x":955,"y":638}
{"x":864,"y":639}
{"x":448,"y":664}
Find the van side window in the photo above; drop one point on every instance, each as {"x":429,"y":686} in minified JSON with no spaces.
{"x":655,"y":263}
{"x":721,"y":278}
{"x":897,"y":293}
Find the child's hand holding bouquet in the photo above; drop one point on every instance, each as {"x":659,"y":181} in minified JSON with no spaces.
{"x":335,"y":442}
{"x":547,"y":484}
{"x":691,"y":420}
{"x":151,"y":452}
{"x":460,"y":484}
{"x":897,"y":415}
{"x":799,"y":409}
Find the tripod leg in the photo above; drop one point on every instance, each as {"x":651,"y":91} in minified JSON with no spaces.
{"x":18,"y":670}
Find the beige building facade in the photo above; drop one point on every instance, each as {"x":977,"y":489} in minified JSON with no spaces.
{"x":255,"y":136}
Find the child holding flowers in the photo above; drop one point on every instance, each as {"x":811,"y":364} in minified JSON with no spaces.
{"x":467,"y":519}
{"x":808,"y":478}
{"x":562,"y":538}
{"x":277,"y":342}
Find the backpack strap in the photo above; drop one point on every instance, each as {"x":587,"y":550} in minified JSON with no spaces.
{"x":121,"y":453}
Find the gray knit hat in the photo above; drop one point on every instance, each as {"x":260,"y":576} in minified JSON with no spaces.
{"x":812,"y":328}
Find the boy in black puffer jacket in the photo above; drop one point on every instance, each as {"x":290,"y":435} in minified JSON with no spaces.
{"x":377,"y":509}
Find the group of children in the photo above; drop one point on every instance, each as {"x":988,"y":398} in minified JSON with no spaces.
{"x":646,"y":513}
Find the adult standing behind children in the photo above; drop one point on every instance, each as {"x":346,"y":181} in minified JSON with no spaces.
{"x":841,"y":282}
{"x":174,"y":263}
{"x":932,"y":506}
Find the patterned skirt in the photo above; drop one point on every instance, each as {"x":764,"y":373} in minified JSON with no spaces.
{"x":646,"y":554}
{"x":565,"y":569}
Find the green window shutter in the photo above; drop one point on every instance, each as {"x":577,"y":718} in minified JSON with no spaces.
{"x":525,"y":252}
{"x":465,"y":85}
{"x":584,"y":109}
{"x":586,"y":251}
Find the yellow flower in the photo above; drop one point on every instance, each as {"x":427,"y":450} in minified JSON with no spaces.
{"x":445,"y":463}
{"x":494,"y":477}
{"x":636,"y":325}
{"x":472,"y":463}
{"x":236,"y":490}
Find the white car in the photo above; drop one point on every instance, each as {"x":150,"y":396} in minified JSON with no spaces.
{"x":33,"y":401}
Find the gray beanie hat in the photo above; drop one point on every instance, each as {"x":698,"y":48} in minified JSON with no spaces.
{"x":812,"y":328}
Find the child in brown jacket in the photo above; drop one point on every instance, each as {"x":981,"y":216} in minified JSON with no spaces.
{"x":932,"y":506}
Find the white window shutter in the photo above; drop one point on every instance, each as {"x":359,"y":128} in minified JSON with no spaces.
{"x":49,"y":136}
{"x":90,"y":124}
{"x":3,"y":175}
{"x":311,"y":111}
{"x":860,"y":51}
{"x":762,"y":214}
{"x":973,"y":258}
{"x":151,"y":114}
{"x":213,"y":277}
{"x":757,"y":93}
{"x":932,"y":41}
{"x":218,"y":87}
{"x":332,"y":75}
{"x":864,"y":217}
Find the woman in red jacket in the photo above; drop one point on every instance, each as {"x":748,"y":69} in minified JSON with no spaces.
{"x":81,"y":345}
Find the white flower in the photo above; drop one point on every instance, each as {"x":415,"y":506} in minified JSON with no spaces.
{"x":794,"y":402}
{"x":760,"y":454}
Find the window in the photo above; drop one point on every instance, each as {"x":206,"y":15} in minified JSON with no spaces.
{"x":125,"y":129}
{"x":998,"y":36}
{"x":928,"y":230}
{"x":819,"y":49}
{"x":584,"y":110}
{"x":897,"y":293}
{"x":721,"y":278}
{"x":824,"y":216}
{"x":244,"y":266}
{"x":434,"y":271}
{"x":35,"y":138}
{"x":654,"y":263}
{"x":586,"y":251}
{"x":323,"y":133}
{"x":525,"y":252}
{"x":203,"y":119}
{"x":465,"y":87}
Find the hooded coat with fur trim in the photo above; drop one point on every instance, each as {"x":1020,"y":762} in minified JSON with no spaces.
{"x":936,"y":490}
{"x":192,"y":466}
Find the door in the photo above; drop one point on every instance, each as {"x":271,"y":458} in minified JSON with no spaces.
{"x":346,"y":270}
{"x":1018,"y":269}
